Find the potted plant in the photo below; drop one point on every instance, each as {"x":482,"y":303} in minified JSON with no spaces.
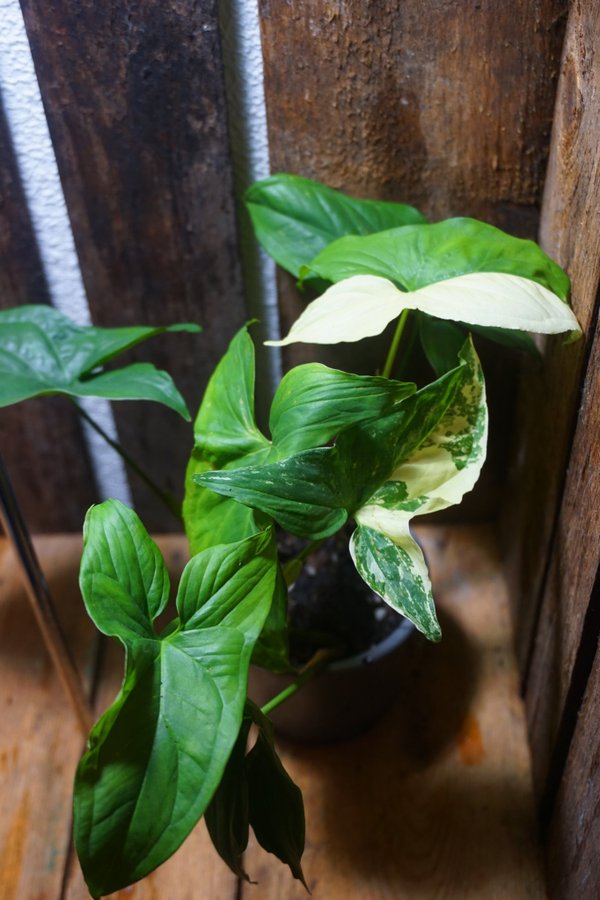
{"x":342,"y":447}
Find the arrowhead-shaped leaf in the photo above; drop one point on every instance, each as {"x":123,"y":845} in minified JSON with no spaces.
{"x":363,"y":305}
{"x":419,"y":255}
{"x":157,"y":755}
{"x":43,"y":352}
{"x":294,"y":218}
{"x":437,"y":475}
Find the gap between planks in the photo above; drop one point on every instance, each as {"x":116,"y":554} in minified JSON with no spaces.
{"x":435,"y":801}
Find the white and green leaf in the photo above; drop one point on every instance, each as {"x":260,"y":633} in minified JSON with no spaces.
{"x":437,"y":475}
{"x":363,"y":305}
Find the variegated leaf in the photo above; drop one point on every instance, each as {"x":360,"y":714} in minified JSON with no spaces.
{"x":363,"y":305}
{"x":444,"y":468}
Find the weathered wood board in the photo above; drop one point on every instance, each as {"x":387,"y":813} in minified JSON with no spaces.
{"x":135,"y":102}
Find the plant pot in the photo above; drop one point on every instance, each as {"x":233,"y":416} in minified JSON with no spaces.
{"x":345,"y":699}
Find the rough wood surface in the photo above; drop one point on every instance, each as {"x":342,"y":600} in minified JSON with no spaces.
{"x":567,"y":628}
{"x":574,"y":836}
{"x":447,"y":106}
{"x":570,"y":232}
{"x":40,"y":440}
{"x":135,"y":101}
{"x":39,"y":739}
{"x":437,"y":800}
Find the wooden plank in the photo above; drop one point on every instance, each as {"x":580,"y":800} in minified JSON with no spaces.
{"x":574,"y":564}
{"x":40,"y":440}
{"x":574,"y":835}
{"x":40,"y":740}
{"x":135,"y":102}
{"x":437,"y":800}
{"x":445,"y":106}
{"x":195,"y":872}
{"x":571,"y":234}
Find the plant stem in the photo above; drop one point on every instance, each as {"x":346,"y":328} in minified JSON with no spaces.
{"x":319,"y":661}
{"x":391,"y":357}
{"x":169,"y":500}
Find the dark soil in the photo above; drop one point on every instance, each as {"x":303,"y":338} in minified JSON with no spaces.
{"x":330,"y":605}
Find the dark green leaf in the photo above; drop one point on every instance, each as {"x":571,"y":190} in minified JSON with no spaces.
{"x":418,"y":255}
{"x":157,"y":755}
{"x":271,"y":650}
{"x":441,"y":341}
{"x":295,"y":218}
{"x":227,"y":816}
{"x":275,"y":802}
{"x":43,"y":352}
{"x":516,"y":340}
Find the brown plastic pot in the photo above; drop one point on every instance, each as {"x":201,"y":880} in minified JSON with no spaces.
{"x":347,"y":698}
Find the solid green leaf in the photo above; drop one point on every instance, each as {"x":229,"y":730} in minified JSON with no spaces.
{"x":227,"y":816}
{"x":43,"y":352}
{"x":313,"y":403}
{"x":362,"y":306}
{"x":157,"y":755}
{"x":441,"y":342}
{"x":444,"y":467}
{"x":276,"y":808}
{"x":418,"y":255}
{"x":294,"y":218}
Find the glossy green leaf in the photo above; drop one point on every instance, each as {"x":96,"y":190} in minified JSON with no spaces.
{"x":362,"y":306}
{"x":419,"y":255}
{"x":156,"y":756}
{"x":294,"y":218}
{"x":313,"y":403}
{"x":276,"y":807}
{"x":441,"y":342}
{"x":43,"y":352}
{"x":444,"y":467}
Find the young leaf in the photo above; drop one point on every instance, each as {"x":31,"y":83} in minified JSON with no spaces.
{"x":313,"y":403}
{"x":275,"y":803}
{"x":294,"y":218}
{"x":43,"y":352}
{"x":442,"y":469}
{"x":363,"y":305}
{"x":156,"y":756}
{"x":419,"y":255}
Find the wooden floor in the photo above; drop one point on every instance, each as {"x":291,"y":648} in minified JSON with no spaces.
{"x":435,"y":802}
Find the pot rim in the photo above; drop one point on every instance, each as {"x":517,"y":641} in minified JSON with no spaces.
{"x":398,"y":636}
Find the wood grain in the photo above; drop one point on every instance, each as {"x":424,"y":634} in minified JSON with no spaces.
{"x":447,"y":106}
{"x":573,"y":568}
{"x":570,"y":232}
{"x":437,"y":799}
{"x":40,"y":440}
{"x":574,"y":835}
{"x":135,"y":101}
{"x":40,"y":740}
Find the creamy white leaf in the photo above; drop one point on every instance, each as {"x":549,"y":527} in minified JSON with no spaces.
{"x":363,"y":305}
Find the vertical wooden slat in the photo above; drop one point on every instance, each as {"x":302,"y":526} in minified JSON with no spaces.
{"x":574,"y":562}
{"x":135,"y":102}
{"x":40,"y":440}
{"x":444,"y":105}
{"x":574,"y":837}
{"x":571,"y":233}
